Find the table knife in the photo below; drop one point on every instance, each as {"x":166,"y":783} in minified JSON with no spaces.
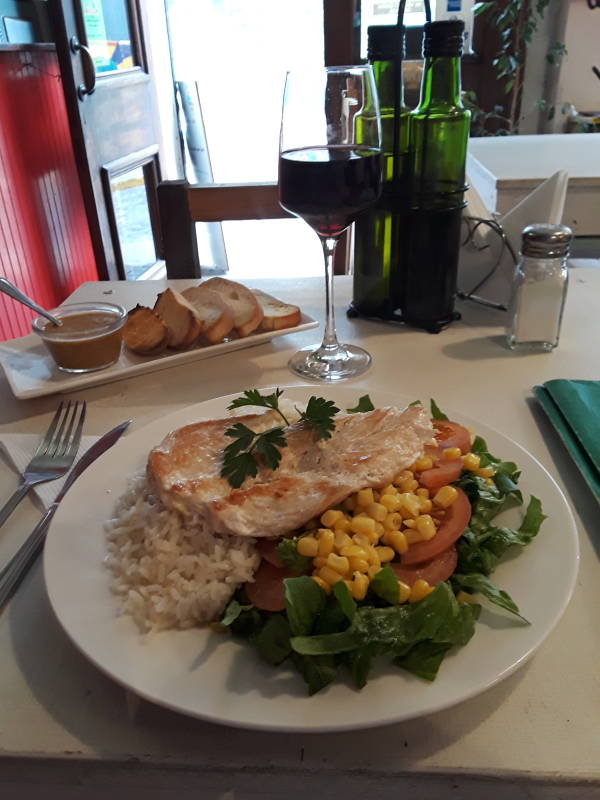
{"x":16,"y":569}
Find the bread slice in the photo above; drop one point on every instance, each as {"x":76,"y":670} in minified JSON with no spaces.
{"x":144,"y":332}
{"x":183,"y":323}
{"x":277,"y":314}
{"x":242,"y":304}
{"x":212,"y":310}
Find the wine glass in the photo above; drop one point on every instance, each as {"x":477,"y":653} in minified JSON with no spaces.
{"x":330,"y":171}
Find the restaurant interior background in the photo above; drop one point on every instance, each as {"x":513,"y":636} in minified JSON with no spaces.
{"x":77,"y":184}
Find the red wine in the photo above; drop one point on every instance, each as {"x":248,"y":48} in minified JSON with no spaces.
{"x":329,"y":186}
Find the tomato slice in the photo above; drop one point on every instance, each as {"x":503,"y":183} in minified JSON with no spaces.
{"x":267,"y":590}
{"x":435,"y":571}
{"x":267,"y":548}
{"x":442,"y":473}
{"x":450,"y":434}
{"x":456,"y":520}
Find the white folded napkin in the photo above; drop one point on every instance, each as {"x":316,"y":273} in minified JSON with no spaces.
{"x":17,"y":450}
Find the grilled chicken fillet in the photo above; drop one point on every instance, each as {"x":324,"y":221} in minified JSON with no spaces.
{"x":365,"y":450}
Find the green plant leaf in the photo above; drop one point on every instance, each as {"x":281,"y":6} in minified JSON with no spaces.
{"x":436,"y":413}
{"x":304,"y":600}
{"x":364,"y":404}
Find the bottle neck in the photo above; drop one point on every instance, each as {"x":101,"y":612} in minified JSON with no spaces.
{"x":441,"y":84}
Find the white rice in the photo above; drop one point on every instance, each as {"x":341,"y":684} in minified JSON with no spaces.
{"x":169,"y":572}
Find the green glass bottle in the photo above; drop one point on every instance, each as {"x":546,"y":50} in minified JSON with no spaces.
{"x":376,"y":230}
{"x":439,"y":134}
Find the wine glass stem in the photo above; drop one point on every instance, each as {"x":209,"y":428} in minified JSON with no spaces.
{"x":330,"y":340}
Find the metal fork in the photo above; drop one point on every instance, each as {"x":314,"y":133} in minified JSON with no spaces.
{"x":55,"y":454}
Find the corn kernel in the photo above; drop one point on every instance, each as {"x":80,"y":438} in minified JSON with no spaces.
{"x":445,"y":496}
{"x":485,"y":472}
{"x":326,"y":538}
{"x":409,"y":523}
{"x":338,"y":563}
{"x":489,"y":482}
{"x":425,"y":505}
{"x":364,"y":497}
{"x":349,"y":503}
{"x":451,"y":453}
{"x":342,"y":524}
{"x":329,"y":575}
{"x":329,"y":518}
{"x":410,"y":504}
{"x":373,"y":570}
{"x":307,"y":546}
{"x":359,"y":586}
{"x":377,"y":511}
{"x":353,"y":551}
{"x":379,"y":530}
{"x":422,"y":492}
{"x":425,"y":462}
{"x":387,"y":490}
{"x":465,"y":597}
{"x":391,"y":502}
{"x":340,"y":539}
{"x":420,"y":589}
{"x":404,"y":591}
{"x":471,"y":461}
{"x":426,"y":527}
{"x":363,"y":525}
{"x":323,"y":584}
{"x":409,"y":485}
{"x":373,"y":555}
{"x":359,"y":564}
{"x":361,"y":540}
{"x":319,"y":561}
{"x":412,"y":536}
{"x":385,"y":554}
{"x":376,"y":495}
{"x":397,"y":540}
{"x":405,"y":475}
{"x":392,"y":522}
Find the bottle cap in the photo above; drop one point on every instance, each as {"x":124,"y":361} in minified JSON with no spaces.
{"x":543,"y":240}
{"x":383,"y":43}
{"x":444,"y":39}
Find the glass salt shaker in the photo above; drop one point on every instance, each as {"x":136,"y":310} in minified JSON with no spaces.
{"x":539,"y":288}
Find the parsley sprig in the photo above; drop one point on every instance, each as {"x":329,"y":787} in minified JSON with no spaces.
{"x":249,"y":450}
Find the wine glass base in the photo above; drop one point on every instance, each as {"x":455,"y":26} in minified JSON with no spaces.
{"x":333,"y":363}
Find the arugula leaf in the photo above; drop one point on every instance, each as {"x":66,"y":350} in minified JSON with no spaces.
{"x":291,"y":558}
{"x":415,"y":403}
{"x":319,"y":415}
{"x":273,"y":640}
{"x":327,"y":644}
{"x":385,"y":585}
{"x":364,"y":404}
{"x":318,"y":671}
{"x":304,"y":600}
{"x":248,"y":623}
{"x":360,"y":662}
{"x":435,"y":411}
{"x":483,"y":585}
{"x":424,"y":659}
{"x":345,"y":599}
{"x":532,"y":521}
{"x":252,"y":397}
{"x":232,"y":612}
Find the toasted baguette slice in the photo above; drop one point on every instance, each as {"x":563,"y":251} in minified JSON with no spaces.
{"x":242,"y":304}
{"x":144,"y":332}
{"x":183,"y":323}
{"x":212,"y":310}
{"x":277,"y":314}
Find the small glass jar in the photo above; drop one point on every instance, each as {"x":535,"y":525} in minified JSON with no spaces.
{"x":539,"y":288}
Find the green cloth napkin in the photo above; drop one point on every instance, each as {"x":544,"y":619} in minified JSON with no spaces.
{"x":573,"y":408}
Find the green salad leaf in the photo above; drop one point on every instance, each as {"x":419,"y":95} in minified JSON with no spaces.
{"x":273,"y":640}
{"x":436,"y":413}
{"x":482,"y":584}
{"x":345,"y":600}
{"x":385,"y":585}
{"x":318,"y":671}
{"x":291,"y":558}
{"x":304,"y":601}
{"x":424,"y":659}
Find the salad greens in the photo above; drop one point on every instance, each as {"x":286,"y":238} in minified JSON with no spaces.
{"x":323,"y":636}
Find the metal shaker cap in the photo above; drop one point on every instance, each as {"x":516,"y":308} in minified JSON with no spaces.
{"x":543,"y":240}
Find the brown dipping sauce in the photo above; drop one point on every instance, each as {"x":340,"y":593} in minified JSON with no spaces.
{"x":84,"y":342}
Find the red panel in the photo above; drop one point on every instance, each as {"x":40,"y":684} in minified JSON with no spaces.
{"x":45,"y":246}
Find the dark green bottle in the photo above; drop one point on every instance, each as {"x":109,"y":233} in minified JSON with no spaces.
{"x":439,"y":134}
{"x":376,"y":230}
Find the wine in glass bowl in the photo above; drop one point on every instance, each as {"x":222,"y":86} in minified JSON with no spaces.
{"x":330,"y":171}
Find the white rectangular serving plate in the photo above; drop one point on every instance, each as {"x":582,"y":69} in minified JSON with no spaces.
{"x":31,"y":371}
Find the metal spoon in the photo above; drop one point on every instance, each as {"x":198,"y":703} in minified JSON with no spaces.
{"x":16,"y":294}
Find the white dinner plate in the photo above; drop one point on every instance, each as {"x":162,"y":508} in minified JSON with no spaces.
{"x":216,"y":678}
{"x":31,"y":371}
